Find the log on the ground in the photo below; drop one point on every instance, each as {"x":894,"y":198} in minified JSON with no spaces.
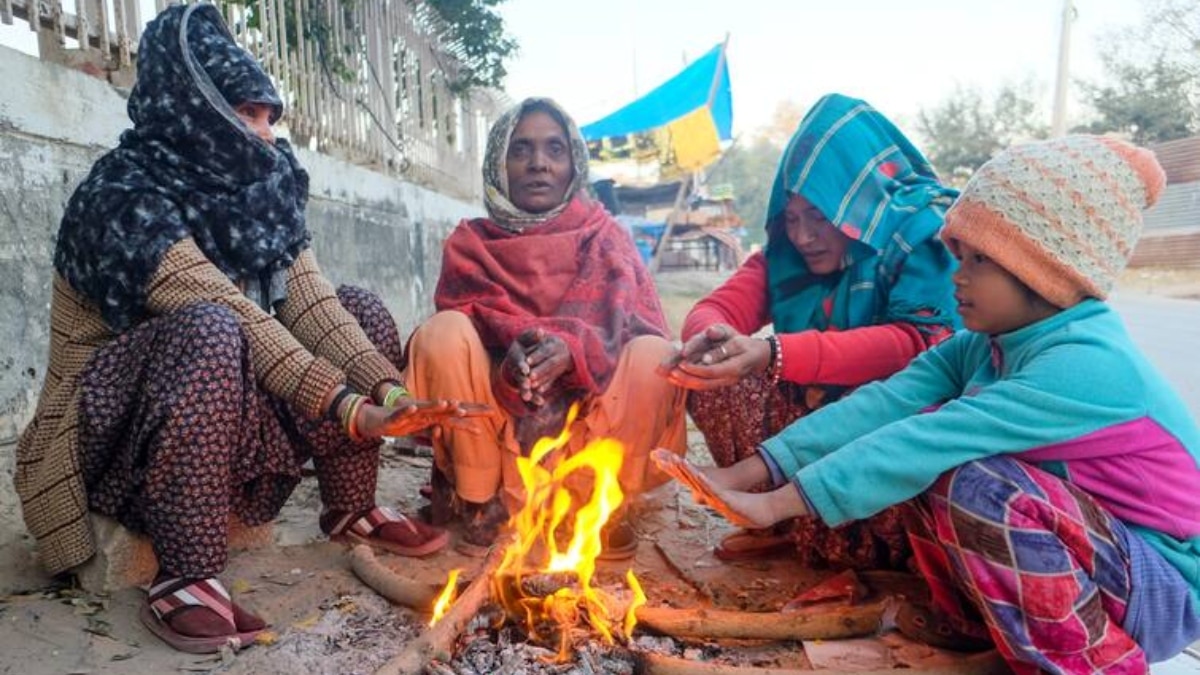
{"x":987,"y":663}
{"x":381,"y":579}
{"x":438,"y":641}
{"x":829,"y":623}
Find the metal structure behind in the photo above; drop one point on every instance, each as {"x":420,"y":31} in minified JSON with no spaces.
{"x":370,"y":82}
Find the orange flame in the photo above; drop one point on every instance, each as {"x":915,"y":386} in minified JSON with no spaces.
{"x":639,"y":599}
{"x":552,"y":512}
{"x":445,"y":598}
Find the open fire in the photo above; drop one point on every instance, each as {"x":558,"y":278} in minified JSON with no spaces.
{"x":545,"y":577}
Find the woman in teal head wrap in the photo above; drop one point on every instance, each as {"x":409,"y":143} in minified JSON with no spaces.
{"x":854,"y":282}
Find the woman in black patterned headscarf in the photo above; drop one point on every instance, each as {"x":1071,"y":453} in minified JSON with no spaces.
{"x":199,"y":358}
{"x":189,"y":168}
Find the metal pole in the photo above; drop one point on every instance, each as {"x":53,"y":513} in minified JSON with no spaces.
{"x":1058,"y":124}
{"x":693,"y":178}
{"x":680,"y":196}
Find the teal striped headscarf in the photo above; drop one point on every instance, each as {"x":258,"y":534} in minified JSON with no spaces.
{"x":856,"y":167}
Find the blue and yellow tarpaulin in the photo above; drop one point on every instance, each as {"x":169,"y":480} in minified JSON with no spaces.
{"x":695,"y":106}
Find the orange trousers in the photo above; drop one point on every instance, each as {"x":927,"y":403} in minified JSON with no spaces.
{"x":639,"y":408}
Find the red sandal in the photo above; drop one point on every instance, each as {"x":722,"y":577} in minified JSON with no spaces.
{"x":754,"y":544}
{"x":170,"y":597}
{"x":407,"y":536}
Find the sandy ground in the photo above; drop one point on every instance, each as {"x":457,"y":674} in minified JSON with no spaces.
{"x":326,"y":621}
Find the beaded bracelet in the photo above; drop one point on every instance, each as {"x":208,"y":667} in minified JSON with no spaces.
{"x":332,"y":413}
{"x":394,"y":393}
{"x":775,"y":368}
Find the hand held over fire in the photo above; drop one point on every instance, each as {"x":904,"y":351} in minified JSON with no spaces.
{"x":717,"y":357}
{"x":535,"y":365}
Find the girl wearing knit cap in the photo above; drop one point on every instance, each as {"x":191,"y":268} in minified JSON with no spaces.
{"x":198,"y":356}
{"x":1048,"y":468}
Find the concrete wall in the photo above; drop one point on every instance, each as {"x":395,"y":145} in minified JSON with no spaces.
{"x":368,"y":229}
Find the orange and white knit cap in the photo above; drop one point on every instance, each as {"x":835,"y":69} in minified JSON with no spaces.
{"x":1061,"y":215}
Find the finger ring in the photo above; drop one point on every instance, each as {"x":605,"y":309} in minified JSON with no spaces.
{"x":724,"y":354}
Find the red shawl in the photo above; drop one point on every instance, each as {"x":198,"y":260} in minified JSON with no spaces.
{"x":578,"y":276}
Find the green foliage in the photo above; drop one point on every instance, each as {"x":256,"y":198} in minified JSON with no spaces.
{"x":479,"y":30}
{"x":473,"y":30}
{"x":749,"y":169}
{"x":1152,"y":76}
{"x":1151,"y":103}
{"x":965,"y":130}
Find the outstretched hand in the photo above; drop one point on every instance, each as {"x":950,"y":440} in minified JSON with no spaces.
{"x":704,"y":491}
{"x":412,"y":415}
{"x":717,"y":357}
{"x":534,"y":365}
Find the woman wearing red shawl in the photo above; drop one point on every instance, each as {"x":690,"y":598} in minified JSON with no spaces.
{"x":541,"y":305}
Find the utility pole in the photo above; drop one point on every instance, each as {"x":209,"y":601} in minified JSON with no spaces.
{"x":1058,"y":120}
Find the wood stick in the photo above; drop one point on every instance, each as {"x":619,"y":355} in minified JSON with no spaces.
{"x":986,"y":663}
{"x":812,"y":624}
{"x":659,"y":664}
{"x":438,"y":641}
{"x":381,"y":579}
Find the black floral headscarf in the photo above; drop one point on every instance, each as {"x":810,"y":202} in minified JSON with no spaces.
{"x":188,"y":168}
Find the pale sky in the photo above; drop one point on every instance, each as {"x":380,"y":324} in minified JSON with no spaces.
{"x":898,"y":55}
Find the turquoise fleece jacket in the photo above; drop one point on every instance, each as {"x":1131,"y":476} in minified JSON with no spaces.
{"x":1070,"y":393}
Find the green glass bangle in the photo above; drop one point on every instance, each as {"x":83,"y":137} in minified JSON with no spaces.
{"x":394,"y":393}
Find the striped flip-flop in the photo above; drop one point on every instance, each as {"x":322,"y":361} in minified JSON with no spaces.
{"x":172,"y":596}
{"x":364,"y":529}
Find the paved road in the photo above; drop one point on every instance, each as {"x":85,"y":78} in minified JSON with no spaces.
{"x":1168,"y":331}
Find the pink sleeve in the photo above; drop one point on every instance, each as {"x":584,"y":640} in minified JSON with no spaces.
{"x":740,"y":302}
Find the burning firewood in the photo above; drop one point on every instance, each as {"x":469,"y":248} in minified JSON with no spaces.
{"x":544,"y":579}
{"x":540,"y":584}
{"x":823,"y":624}
{"x":987,"y":663}
{"x":438,"y":641}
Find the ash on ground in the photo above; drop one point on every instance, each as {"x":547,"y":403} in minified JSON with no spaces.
{"x":507,"y":651}
{"x":350,"y":634}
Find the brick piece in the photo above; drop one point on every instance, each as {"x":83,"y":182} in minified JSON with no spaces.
{"x":125,"y":559}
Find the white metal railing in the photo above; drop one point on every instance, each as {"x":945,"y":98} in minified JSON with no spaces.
{"x":369,"y":81}
{"x":111,"y":26}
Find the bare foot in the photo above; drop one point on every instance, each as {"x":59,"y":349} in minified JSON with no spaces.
{"x":753,"y":509}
